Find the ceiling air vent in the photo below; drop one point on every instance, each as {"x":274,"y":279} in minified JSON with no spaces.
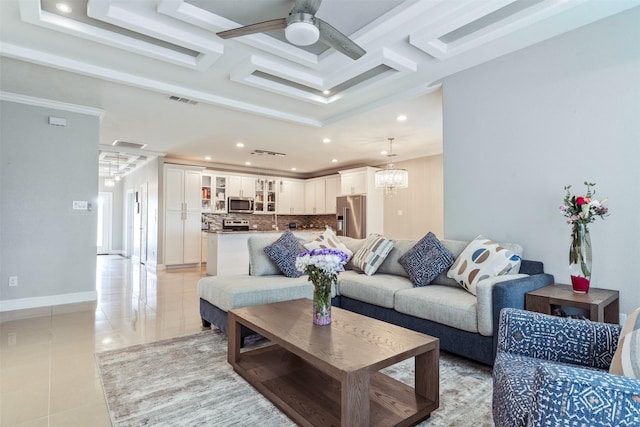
{"x":183,"y":100}
{"x":126,"y":144}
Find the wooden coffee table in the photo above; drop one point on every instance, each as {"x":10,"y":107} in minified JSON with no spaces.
{"x":328,"y":375}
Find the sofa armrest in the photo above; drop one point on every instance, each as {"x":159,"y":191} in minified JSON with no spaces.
{"x":557,"y":339}
{"x":566,"y":395}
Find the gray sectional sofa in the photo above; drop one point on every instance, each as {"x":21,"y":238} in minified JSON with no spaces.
{"x":466,"y":324}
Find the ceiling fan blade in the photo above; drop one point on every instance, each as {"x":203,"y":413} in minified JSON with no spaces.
{"x":306,"y":6}
{"x":260,"y":27}
{"x":334,"y":38}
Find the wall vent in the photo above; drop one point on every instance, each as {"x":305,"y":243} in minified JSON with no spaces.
{"x":126,"y":144}
{"x":183,"y":100}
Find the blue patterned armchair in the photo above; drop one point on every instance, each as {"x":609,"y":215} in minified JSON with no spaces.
{"x":553,"y":371}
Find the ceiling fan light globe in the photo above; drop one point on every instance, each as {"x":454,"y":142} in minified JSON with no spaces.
{"x":302,"y":33}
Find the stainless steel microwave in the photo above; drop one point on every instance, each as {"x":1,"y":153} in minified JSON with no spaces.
{"x":240,"y":204}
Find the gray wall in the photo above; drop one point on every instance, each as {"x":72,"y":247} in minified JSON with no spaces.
{"x":521,"y":127}
{"x":418,"y":209}
{"x":49,"y":246}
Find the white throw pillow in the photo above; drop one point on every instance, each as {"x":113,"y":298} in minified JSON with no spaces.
{"x":328,"y":240}
{"x":626,"y":359}
{"x":480,"y":260}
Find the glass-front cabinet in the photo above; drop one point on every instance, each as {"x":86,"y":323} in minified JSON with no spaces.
{"x":206,"y":193}
{"x":219,"y":194}
{"x":265,"y":198}
{"x":214,"y":193}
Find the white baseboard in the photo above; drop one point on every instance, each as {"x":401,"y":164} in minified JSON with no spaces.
{"x":35,"y":302}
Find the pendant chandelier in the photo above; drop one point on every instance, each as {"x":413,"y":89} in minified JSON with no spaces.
{"x":391,"y":178}
{"x":117,"y":176}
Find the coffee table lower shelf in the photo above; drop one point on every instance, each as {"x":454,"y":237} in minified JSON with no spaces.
{"x":312,"y":398}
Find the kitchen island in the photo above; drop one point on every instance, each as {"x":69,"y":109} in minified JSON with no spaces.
{"x":228,"y":253}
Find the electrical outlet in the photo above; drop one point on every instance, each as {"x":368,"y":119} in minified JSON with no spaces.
{"x":13,"y":280}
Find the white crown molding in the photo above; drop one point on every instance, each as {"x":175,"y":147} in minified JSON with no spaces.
{"x":109,"y":74}
{"x":160,"y":27}
{"x":48,"y":103}
{"x":35,"y":302}
{"x":30,"y":12}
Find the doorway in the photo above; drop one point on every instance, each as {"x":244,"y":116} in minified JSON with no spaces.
{"x":105,"y":207}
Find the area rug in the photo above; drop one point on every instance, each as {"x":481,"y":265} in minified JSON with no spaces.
{"x":187,"y":381}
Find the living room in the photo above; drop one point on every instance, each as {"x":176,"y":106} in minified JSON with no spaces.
{"x":516,"y":130}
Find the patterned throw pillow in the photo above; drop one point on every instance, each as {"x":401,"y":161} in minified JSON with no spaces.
{"x":283,"y":253}
{"x":480,"y":260}
{"x":372,"y":253}
{"x":626,"y":359}
{"x":426,"y":260}
{"x":328,"y":240}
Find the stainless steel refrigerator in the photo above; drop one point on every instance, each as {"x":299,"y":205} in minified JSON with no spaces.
{"x":351,"y":216}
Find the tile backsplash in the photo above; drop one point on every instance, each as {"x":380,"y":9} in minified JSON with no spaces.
{"x":265,"y":222}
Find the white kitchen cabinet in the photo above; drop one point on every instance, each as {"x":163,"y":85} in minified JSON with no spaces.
{"x":241,"y":186}
{"x":332,"y":190}
{"x":353,"y":181}
{"x":182,"y":208}
{"x":314,"y":196}
{"x":291,"y":197}
{"x":219,"y":193}
{"x":266,"y":195}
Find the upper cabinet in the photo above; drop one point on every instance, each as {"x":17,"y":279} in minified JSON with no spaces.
{"x":266,"y":195}
{"x":357,"y":181}
{"x":314,"y":196}
{"x":214,"y":193}
{"x":291,"y":197}
{"x":241,"y":186}
{"x":331,"y":191}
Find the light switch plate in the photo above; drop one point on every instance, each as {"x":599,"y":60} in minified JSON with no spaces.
{"x":79,"y":205}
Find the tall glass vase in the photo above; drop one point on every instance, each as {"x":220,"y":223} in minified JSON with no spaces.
{"x":580,"y":258}
{"x":322,"y":302}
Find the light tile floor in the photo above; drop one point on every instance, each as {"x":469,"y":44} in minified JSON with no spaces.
{"x":48,"y":374}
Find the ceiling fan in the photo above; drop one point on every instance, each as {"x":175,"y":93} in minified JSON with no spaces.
{"x":302,"y":28}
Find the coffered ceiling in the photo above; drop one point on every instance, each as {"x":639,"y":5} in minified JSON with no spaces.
{"x":165,"y":79}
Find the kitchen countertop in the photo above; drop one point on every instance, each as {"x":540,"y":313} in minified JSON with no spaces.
{"x":308,"y":230}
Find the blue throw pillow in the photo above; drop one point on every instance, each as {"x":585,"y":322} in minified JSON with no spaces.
{"x":426,"y":260}
{"x":283,"y":253}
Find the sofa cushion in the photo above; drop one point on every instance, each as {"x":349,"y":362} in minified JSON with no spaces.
{"x":283,"y":253}
{"x":227,"y":292}
{"x":626,"y":359}
{"x":480,"y":260}
{"x":372,"y":253}
{"x":353,"y":245}
{"x":328,"y":240}
{"x":425,"y":260}
{"x":390,"y":264}
{"x":448,"y":305}
{"x":379,"y":289}
{"x":259,"y":262}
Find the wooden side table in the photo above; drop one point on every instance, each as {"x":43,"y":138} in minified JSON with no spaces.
{"x":603,"y":305}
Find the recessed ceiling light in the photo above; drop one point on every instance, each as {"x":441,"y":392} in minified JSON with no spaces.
{"x":383,"y":152}
{"x":240,"y":145}
{"x":326,"y":91}
{"x":294,"y":169}
{"x":326,"y":140}
{"x":334,"y":160}
{"x":247,"y":163}
{"x":207,"y":157}
{"x":401,"y":118}
{"x":63,"y":7}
